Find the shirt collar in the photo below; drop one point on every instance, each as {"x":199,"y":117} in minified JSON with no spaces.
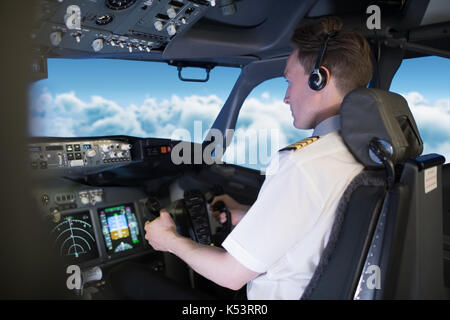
{"x":327,"y":126}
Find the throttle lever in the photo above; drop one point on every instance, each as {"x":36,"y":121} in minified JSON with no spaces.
{"x":220,"y":206}
{"x":154,"y":207}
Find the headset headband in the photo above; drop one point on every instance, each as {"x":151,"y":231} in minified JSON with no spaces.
{"x":323,"y":49}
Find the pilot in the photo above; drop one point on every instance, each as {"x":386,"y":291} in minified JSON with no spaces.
{"x":276,"y":243}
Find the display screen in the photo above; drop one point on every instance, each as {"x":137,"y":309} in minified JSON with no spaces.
{"x":120,"y":228}
{"x":74,"y":237}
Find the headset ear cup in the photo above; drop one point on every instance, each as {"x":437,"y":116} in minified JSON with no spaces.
{"x":318,"y":79}
{"x":323,"y":80}
{"x":313,"y":80}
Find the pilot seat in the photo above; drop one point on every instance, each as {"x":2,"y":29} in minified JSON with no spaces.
{"x":386,"y":241}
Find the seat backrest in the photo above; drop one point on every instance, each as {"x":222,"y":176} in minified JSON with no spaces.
{"x":384,"y":243}
{"x":337,"y":273}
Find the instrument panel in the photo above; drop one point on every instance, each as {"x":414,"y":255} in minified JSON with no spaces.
{"x":120,"y":228}
{"x":92,"y":226}
{"x":74,"y":238}
{"x":94,"y":194}
{"x":79,"y":154}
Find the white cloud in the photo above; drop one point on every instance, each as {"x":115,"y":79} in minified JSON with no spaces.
{"x":433,"y":121}
{"x":66,"y":115}
{"x":434,"y":116}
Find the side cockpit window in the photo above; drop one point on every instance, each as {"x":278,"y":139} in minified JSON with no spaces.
{"x":425,"y":84}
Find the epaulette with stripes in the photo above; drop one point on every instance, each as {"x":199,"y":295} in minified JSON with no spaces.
{"x":300,"y":144}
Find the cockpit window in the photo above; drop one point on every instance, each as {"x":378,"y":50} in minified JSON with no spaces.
{"x":264,"y":126}
{"x":102,"y":97}
{"x":425,"y":84}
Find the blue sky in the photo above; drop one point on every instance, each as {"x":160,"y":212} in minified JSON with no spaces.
{"x":107,"y":97}
{"x":428,"y":75}
{"x":130,"y":82}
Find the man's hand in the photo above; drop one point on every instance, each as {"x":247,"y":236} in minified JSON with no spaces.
{"x":160,"y":232}
{"x":214,"y":263}
{"x":236,"y":209}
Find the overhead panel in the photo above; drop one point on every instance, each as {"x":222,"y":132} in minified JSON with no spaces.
{"x":135,"y":27}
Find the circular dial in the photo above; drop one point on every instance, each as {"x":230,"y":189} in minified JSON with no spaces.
{"x":74,"y":238}
{"x":119,"y":4}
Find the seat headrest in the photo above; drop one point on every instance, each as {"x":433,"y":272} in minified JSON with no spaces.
{"x":372,"y":113}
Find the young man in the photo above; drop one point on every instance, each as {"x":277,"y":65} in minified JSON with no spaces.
{"x":277,"y":244}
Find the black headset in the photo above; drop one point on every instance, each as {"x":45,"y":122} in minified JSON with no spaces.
{"x":318,"y":78}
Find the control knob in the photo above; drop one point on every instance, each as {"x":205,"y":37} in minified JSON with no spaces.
{"x":97,"y":44}
{"x":125,"y":147}
{"x":172,"y":13}
{"x":158,"y":25}
{"x":55,"y":38}
{"x":171,"y":29}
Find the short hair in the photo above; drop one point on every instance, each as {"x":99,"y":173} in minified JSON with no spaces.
{"x":347,"y":56}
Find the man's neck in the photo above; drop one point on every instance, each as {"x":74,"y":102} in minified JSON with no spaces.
{"x":327,"y":112}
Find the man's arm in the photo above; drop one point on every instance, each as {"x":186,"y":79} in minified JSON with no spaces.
{"x":214,"y":263}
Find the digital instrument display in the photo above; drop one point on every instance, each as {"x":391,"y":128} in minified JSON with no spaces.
{"x":120,"y":228}
{"x":74,"y":238}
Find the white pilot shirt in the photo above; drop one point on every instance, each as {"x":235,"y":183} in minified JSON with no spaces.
{"x":285,"y":231}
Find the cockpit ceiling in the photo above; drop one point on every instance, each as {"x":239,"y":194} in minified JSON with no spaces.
{"x":230,"y":33}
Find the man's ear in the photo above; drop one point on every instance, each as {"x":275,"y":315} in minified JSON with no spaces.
{"x":327,"y":71}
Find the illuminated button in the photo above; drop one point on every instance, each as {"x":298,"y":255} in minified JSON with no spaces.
{"x":69,"y":148}
{"x":70,"y":156}
{"x":76,"y":163}
{"x":91,"y":153}
{"x":163,"y":149}
{"x":84,"y":198}
{"x":77,"y":147}
{"x":78,"y":156}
